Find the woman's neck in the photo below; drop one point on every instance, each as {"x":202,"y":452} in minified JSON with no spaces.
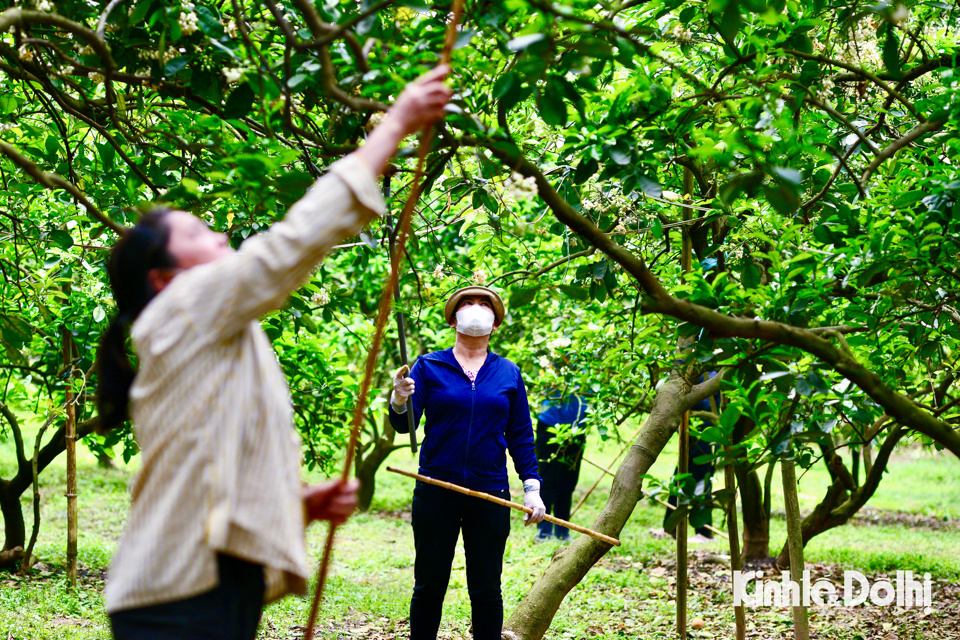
{"x":471,"y":347}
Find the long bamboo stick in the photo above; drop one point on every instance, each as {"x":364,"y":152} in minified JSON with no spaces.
{"x":426,"y":142}
{"x":506,"y":503}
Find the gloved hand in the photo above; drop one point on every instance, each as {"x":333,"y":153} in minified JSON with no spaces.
{"x":531,"y":499}
{"x":403,"y":387}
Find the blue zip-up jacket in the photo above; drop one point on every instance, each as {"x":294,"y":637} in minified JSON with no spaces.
{"x":470,"y":425}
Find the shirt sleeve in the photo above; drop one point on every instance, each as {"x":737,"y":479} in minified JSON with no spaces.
{"x":399,"y":421}
{"x":223,"y":296}
{"x":519,"y":434}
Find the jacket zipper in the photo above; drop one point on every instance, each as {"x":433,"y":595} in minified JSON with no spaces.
{"x":466,"y":454}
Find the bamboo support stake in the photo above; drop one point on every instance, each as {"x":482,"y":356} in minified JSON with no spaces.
{"x":70,"y":436}
{"x":730,"y":481}
{"x":801,"y":625}
{"x":682,"y":534}
{"x":736,"y":562}
{"x":505,"y":503}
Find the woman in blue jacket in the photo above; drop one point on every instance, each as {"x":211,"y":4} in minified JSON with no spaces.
{"x":475,"y":408}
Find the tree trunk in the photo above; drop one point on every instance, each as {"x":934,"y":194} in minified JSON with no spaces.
{"x":756,"y":520}
{"x":15,"y":531}
{"x":532,"y":617}
{"x":366,"y":466}
{"x":837,"y":508}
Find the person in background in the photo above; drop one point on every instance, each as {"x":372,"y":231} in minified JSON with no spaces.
{"x":559,"y":462}
{"x":474,"y":406}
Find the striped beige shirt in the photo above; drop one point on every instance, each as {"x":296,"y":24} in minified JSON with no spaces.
{"x":212,"y":413}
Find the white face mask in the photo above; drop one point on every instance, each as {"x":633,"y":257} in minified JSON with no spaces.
{"x":475,"y":320}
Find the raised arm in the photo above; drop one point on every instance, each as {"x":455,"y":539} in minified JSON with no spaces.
{"x":227,"y":294}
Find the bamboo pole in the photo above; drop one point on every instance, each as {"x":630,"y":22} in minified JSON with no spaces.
{"x":70,"y":436}
{"x":801,"y":625}
{"x":402,"y":233}
{"x":730,"y":481}
{"x":682,"y":534}
{"x":736,"y":562}
{"x":505,"y":503}
{"x":607,"y":470}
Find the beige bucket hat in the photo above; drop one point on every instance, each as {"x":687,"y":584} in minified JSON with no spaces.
{"x":450,"y":308}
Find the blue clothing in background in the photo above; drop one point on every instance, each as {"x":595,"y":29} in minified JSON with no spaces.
{"x":572,"y":411}
{"x":470,"y":425}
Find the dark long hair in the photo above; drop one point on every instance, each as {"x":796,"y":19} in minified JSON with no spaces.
{"x":141,"y":249}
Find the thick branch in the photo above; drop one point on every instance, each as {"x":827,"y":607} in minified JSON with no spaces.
{"x":891,"y":149}
{"x":658,"y":300}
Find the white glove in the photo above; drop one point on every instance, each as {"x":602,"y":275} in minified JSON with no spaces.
{"x":403,"y":388}
{"x":531,"y":499}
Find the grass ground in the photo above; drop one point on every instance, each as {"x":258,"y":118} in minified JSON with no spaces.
{"x":913,"y":523}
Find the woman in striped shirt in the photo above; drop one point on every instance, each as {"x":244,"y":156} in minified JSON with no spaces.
{"x":216,"y":523}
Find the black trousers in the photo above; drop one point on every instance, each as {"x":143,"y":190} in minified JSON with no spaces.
{"x":560,"y":470}
{"x":439,"y":515}
{"x":701,"y":472}
{"x":231,"y":611}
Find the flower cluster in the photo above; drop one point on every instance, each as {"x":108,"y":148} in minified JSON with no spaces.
{"x":96,"y":77}
{"x":168,"y":55}
{"x":826,"y":91}
{"x":25,"y":53}
{"x":479,"y":277}
{"x":545,"y":363}
{"x":44,"y":5}
{"x":438,"y":272}
{"x":558,"y":343}
{"x":321,"y":298}
{"x":233,"y":75}
{"x":519,"y":187}
{"x":231,"y":28}
{"x":681,"y":34}
{"x":189,"y":22}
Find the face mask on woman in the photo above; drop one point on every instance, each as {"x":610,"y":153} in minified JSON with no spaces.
{"x":475,"y":320}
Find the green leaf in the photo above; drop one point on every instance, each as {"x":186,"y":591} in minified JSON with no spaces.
{"x":550,"y":103}
{"x":175,"y":65}
{"x":209,"y":22}
{"x":599,"y":269}
{"x":784,"y":198}
{"x":891,"y":53}
{"x":730,"y":21}
{"x":239,"y":103}
{"x":15,"y":331}
{"x":648,"y":186}
{"x":522,"y":297}
{"x":61,"y":238}
{"x":577,"y":293}
{"x":908,"y":198}
{"x":521,"y":43}
{"x":749,"y":274}
{"x":657,"y":228}
{"x":584,"y":170}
